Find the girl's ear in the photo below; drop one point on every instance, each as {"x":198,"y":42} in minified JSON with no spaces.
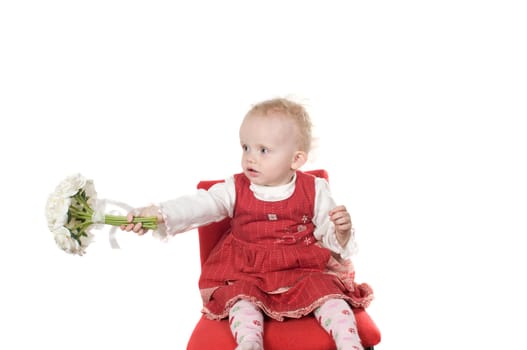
{"x":299,"y":159}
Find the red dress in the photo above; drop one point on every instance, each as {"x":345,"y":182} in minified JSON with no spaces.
{"x":272,"y":259}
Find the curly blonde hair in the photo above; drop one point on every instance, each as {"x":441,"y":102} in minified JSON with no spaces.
{"x":290,"y":109}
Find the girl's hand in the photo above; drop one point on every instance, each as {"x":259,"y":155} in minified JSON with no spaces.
{"x":152,"y":210}
{"x":342,"y":221}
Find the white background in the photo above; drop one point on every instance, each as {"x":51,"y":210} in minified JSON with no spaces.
{"x":419,"y":108}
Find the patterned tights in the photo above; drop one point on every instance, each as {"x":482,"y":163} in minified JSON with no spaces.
{"x":246,"y":322}
{"x":335,"y":316}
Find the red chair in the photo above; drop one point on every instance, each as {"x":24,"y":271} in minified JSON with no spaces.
{"x":292,"y":334}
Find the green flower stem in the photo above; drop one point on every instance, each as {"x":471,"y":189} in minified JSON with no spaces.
{"x":84,"y":213}
{"x":80,"y":197}
{"x":149,"y":222}
{"x":79,"y":214}
{"x":82,"y":226}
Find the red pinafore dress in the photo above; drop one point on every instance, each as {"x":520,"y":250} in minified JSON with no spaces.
{"x":272,"y":259}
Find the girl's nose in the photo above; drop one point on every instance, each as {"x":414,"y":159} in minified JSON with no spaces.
{"x":249,"y":157}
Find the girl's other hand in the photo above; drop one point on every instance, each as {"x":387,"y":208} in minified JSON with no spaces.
{"x":342,"y":221}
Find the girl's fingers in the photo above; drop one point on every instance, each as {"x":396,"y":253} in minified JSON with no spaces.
{"x":338,"y":208}
{"x":341,"y":218}
{"x":138,"y":228}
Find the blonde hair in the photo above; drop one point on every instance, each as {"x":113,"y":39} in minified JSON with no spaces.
{"x":292,"y":110}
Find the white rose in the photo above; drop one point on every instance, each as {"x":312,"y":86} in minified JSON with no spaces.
{"x":70,"y":185}
{"x":57,"y":211}
{"x":89,"y":188}
{"x":66,"y":242}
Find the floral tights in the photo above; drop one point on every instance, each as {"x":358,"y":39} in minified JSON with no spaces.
{"x":246,"y":322}
{"x":335,"y":316}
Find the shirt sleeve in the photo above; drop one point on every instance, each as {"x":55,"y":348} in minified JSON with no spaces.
{"x":191,"y":211}
{"x":324,"y":228}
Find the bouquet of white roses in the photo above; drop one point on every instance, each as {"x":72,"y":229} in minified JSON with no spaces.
{"x":72,"y":210}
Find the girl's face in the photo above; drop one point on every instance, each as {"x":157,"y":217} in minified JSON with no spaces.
{"x":270,"y":153}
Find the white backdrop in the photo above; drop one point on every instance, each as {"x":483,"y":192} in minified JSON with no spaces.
{"x":418,"y":110}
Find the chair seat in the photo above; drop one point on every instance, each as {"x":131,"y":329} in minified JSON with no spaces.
{"x":292,"y":334}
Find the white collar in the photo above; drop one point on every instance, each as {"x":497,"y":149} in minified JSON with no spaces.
{"x":274,"y":193}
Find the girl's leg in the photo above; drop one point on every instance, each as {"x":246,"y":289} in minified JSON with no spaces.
{"x":337,"y":318}
{"x":246,"y":322}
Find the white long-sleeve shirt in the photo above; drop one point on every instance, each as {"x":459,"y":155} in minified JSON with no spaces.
{"x":206,"y":206}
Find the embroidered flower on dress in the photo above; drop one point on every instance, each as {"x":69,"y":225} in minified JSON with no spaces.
{"x":309,"y":240}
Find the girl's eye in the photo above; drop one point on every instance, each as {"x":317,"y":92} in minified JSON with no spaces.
{"x":264,"y":150}
{"x":245,"y":148}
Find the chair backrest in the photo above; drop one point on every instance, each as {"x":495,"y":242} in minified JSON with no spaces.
{"x":211,"y":234}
